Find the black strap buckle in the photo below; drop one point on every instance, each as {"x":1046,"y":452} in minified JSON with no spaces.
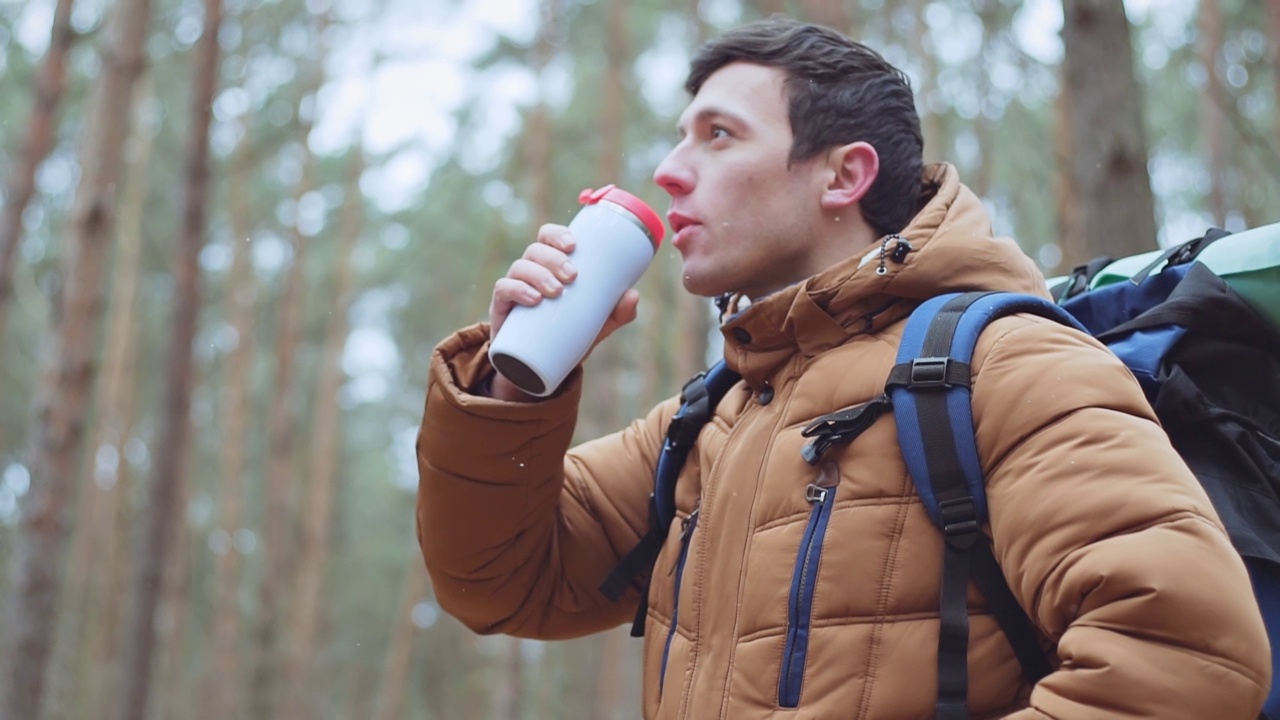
{"x":930,"y":372}
{"x":695,"y":389}
{"x":960,"y":521}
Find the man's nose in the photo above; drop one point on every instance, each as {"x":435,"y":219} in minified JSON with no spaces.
{"x":673,"y":174}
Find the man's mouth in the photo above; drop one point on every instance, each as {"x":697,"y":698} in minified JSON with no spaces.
{"x":679,"y":221}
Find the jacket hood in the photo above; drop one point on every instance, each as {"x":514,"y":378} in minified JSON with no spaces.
{"x":952,"y":249}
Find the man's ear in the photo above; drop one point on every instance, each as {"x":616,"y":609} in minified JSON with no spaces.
{"x":853,"y":168}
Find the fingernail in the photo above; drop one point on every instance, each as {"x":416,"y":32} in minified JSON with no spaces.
{"x":568,"y":270}
{"x":551,"y":286}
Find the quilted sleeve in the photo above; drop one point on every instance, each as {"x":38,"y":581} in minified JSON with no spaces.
{"x":1107,"y":538}
{"x":518,"y":530}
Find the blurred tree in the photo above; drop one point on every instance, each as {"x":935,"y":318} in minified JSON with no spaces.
{"x":167,"y":473}
{"x":325,"y":441}
{"x":222,"y":687}
{"x":41,"y":127}
{"x":69,"y":367}
{"x":396,"y":665}
{"x":1213,"y":125}
{"x":279,"y":521}
{"x":1109,"y":162}
{"x":90,"y":601}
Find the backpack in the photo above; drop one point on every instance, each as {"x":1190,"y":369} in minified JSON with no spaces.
{"x":1207,"y":360}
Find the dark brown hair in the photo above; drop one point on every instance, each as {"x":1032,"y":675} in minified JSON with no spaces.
{"x":840,"y":91}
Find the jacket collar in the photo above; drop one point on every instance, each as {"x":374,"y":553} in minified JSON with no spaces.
{"x":952,"y":249}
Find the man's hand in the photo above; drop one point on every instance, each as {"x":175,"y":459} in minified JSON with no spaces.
{"x":543,"y":271}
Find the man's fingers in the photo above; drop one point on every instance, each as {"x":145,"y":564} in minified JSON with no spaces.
{"x":507,"y":293}
{"x":541,"y":272}
{"x":552,"y":259}
{"x":624,"y":312}
{"x":536,"y":276}
{"x":556,"y":236}
{"x":627,"y":308}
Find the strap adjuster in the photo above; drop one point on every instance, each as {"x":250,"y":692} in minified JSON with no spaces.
{"x":929,"y":372}
{"x":960,"y":521}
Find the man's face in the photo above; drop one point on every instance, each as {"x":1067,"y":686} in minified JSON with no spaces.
{"x":743,"y":221}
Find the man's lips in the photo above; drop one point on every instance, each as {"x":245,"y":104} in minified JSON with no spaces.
{"x":679,"y":221}
{"x":681,"y":225}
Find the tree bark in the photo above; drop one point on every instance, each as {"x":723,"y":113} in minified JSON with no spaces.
{"x":395,"y":669}
{"x":936,"y":144}
{"x":1213,"y":126}
{"x":167,"y":470}
{"x":1070,"y":228}
{"x":832,"y":13}
{"x":173,"y":609}
{"x":41,"y":131}
{"x":605,"y":366}
{"x":1110,"y":160}
{"x":1273,"y":38}
{"x":508,"y":695}
{"x":765,"y":8}
{"x":326,"y":442}
{"x":62,"y":396}
{"x":87,"y":601}
{"x":609,"y":678}
{"x":539,"y":133}
{"x":278,"y":535}
{"x":222,"y":690}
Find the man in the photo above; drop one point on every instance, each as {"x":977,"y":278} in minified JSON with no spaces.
{"x":797,"y":185}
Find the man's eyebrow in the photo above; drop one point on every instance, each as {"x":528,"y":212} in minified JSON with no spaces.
{"x":709,"y":113}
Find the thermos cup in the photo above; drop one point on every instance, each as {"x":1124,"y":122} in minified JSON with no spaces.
{"x":616,"y":236}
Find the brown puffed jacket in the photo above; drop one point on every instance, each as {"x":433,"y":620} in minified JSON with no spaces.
{"x":1104,"y":535}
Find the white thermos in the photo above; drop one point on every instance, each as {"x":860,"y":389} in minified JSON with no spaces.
{"x":616,"y":236}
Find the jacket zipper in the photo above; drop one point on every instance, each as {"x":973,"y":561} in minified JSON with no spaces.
{"x":800,"y":603}
{"x":686,"y":535}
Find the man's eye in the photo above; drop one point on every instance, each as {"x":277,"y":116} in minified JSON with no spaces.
{"x":718,"y":132}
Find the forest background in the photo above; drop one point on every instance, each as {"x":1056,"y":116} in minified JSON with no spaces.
{"x":232,"y":232}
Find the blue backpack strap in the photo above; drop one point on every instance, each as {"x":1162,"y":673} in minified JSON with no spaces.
{"x":698,"y":402}
{"x":931,"y":391}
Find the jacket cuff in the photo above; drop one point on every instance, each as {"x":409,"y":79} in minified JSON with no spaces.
{"x":509,"y":430}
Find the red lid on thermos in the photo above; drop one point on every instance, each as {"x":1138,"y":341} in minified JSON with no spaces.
{"x":632,"y":204}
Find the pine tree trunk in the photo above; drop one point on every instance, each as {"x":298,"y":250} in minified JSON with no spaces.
{"x":936,"y":145}
{"x":222,"y":689}
{"x":1273,"y":19}
{"x":982,"y":125}
{"x":832,"y":13}
{"x":765,"y":8}
{"x":1213,"y":126}
{"x":395,"y":669}
{"x":609,"y":675}
{"x":166,"y":475}
{"x":173,"y":611}
{"x":325,"y":441}
{"x":98,"y":499}
{"x":62,"y":397}
{"x":508,"y":695}
{"x":41,"y":131}
{"x":605,"y":365}
{"x":537,"y":148}
{"x":278,"y":530}
{"x":1110,"y":160}
{"x":1070,"y":228}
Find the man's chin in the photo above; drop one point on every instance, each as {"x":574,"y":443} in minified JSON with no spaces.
{"x":702,"y":287}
